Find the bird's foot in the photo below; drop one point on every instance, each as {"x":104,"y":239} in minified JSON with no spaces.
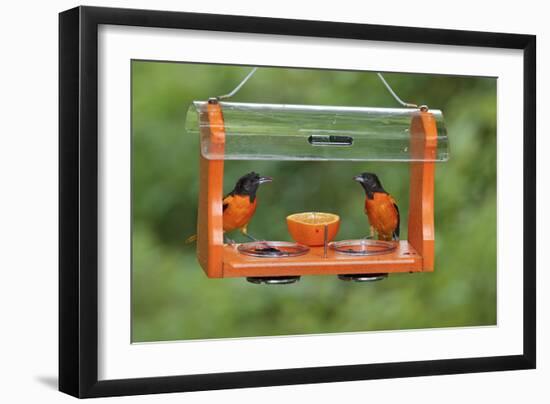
{"x":227,"y":240}
{"x":371,"y":232}
{"x":250,"y":237}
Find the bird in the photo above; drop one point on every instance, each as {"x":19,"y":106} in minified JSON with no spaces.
{"x":239,"y":205}
{"x":380,"y":207}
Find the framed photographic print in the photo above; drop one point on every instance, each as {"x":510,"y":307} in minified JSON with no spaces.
{"x":251,"y":201}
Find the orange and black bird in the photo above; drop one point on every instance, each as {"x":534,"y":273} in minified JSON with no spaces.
{"x":240,"y":204}
{"x":380,"y":208}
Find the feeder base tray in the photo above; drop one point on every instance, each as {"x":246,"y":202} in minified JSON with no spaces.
{"x":403,"y":258}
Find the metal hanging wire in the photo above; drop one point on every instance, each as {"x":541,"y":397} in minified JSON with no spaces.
{"x":236,"y":89}
{"x":386,"y":84}
{"x":395,"y":96}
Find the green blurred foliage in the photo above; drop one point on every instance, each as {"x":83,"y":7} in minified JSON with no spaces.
{"x":172,"y":298}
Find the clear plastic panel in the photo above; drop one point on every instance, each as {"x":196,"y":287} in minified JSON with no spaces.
{"x":307,"y":132}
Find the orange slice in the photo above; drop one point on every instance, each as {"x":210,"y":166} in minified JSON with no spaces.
{"x":308,"y":228}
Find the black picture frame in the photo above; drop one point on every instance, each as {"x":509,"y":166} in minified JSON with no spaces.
{"x":78,"y":201}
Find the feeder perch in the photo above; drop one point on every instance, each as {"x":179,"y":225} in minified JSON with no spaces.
{"x":244,"y":131}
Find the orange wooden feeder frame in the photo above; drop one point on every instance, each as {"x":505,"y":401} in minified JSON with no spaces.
{"x":416,"y":254}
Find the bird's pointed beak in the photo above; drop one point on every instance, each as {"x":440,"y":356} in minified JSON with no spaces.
{"x":358,"y":178}
{"x":263,"y":180}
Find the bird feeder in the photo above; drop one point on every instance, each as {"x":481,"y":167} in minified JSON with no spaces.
{"x":245,"y":131}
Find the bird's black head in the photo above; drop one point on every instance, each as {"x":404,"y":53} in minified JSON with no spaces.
{"x":248,"y":184}
{"x":370,"y":183}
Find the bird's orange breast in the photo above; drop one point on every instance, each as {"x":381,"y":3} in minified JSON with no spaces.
{"x":238,"y":210}
{"x":382,"y":214}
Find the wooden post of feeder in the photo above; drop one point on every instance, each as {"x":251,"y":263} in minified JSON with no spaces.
{"x":423,"y":146}
{"x":210,"y":218}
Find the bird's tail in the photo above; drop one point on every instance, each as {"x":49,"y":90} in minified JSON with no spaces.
{"x":191,"y":239}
